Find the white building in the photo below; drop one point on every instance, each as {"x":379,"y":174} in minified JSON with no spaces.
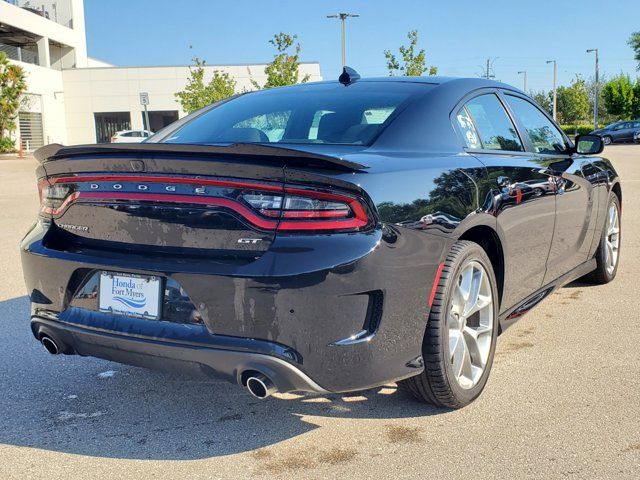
{"x":74,"y":99}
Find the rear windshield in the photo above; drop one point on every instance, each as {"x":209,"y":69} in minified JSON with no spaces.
{"x":319,"y":113}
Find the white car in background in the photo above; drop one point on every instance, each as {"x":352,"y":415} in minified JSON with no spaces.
{"x":130,"y":136}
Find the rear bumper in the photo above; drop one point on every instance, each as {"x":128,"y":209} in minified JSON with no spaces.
{"x":221,"y":361}
{"x":285,"y":311}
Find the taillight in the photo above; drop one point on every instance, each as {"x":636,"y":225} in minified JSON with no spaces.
{"x":299,"y":209}
{"x":55,"y":197}
{"x":265,"y":205}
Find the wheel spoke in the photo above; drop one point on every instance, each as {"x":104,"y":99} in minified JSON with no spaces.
{"x":467,"y":368}
{"x":466,"y":280}
{"x":471,"y":318}
{"x":455,"y":347}
{"x":458,"y":357}
{"x":482,"y":302}
{"x":472,"y":300}
{"x":474,"y":338}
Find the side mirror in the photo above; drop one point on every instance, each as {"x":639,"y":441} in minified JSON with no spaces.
{"x":589,"y":144}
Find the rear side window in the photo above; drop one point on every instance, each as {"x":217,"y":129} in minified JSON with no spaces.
{"x":495,"y":129}
{"x":545,"y":137}
{"x":467,"y":128}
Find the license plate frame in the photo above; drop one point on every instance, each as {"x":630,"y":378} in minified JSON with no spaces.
{"x":130,"y":295}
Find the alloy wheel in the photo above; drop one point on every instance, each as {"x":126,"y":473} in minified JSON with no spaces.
{"x":612,"y":240}
{"x":470,"y":322}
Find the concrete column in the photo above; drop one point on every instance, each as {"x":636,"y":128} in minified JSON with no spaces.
{"x":44,"y":57}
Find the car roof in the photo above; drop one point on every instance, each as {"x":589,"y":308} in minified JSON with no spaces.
{"x":454,"y":85}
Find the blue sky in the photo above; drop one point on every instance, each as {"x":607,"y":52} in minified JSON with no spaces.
{"x":458,"y":35}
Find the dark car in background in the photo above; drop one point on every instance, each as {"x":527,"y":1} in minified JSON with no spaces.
{"x":619,"y":132}
{"x":325,"y":237}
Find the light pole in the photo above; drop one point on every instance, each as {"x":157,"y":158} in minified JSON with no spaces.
{"x":525,"y":80}
{"x":595,"y":96}
{"x":555,"y":92}
{"x":343,"y":17}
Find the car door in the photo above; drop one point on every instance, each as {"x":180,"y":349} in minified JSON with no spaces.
{"x":620,"y":131}
{"x":518,"y":193}
{"x":574,"y":194}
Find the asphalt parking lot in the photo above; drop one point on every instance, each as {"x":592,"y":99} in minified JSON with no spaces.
{"x":563,"y":399}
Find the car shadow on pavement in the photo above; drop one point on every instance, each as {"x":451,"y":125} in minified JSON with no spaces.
{"x":88,"y":406}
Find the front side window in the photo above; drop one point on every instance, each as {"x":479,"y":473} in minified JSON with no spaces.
{"x":326,"y":113}
{"x":544,"y":135}
{"x":493,"y":124}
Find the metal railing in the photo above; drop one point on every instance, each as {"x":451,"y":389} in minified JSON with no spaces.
{"x":58,"y":11}
{"x":24,"y":53}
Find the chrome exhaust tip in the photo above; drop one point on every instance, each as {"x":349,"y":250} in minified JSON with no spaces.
{"x":260,"y":386}
{"x":50,"y":344}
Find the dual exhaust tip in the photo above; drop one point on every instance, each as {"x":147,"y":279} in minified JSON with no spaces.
{"x":259,"y":385}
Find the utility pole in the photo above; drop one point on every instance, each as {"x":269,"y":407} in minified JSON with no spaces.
{"x":343,"y":18}
{"x":555,"y":90}
{"x":524,"y":88}
{"x":595,"y":96}
{"x":487,"y":73}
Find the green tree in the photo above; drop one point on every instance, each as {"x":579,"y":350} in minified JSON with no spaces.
{"x":13,"y":85}
{"x":198,"y":94}
{"x":603,"y":114}
{"x":544,"y":99}
{"x":635,"y":109}
{"x":284,"y":69}
{"x":413,"y":64}
{"x":634,"y":43}
{"x":618,"y":95}
{"x":573,"y":102}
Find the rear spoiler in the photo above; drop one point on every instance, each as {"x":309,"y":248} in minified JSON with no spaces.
{"x":303,"y":158}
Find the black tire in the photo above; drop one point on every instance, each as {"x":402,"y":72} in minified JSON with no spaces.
{"x":601,"y":275}
{"x":607,"y":140}
{"x":437,"y":384}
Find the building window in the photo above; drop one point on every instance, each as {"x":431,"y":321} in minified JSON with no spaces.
{"x":31,"y":132}
{"x":108,"y":123}
{"x":159,"y":119}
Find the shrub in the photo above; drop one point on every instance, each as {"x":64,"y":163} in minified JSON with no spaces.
{"x":572,"y":130}
{"x":7,"y":145}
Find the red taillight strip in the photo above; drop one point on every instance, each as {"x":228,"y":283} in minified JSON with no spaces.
{"x":167,"y":179}
{"x":160,"y":197}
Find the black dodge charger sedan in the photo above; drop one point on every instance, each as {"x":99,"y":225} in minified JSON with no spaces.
{"x":325,"y":237}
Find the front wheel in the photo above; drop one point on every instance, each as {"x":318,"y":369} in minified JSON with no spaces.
{"x":607,"y":140}
{"x":608,"y":253}
{"x":460,"y":338}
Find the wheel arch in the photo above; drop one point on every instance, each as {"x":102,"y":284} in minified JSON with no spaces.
{"x":490,"y":242}
{"x":617,"y":189}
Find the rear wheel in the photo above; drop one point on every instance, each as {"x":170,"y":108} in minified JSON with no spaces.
{"x":459,"y":342}
{"x":608,"y":252}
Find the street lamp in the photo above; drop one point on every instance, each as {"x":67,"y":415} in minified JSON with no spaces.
{"x":595,"y":97}
{"x":525,"y":80}
{"x":343,"y":17}
{"x":555,"y":92}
